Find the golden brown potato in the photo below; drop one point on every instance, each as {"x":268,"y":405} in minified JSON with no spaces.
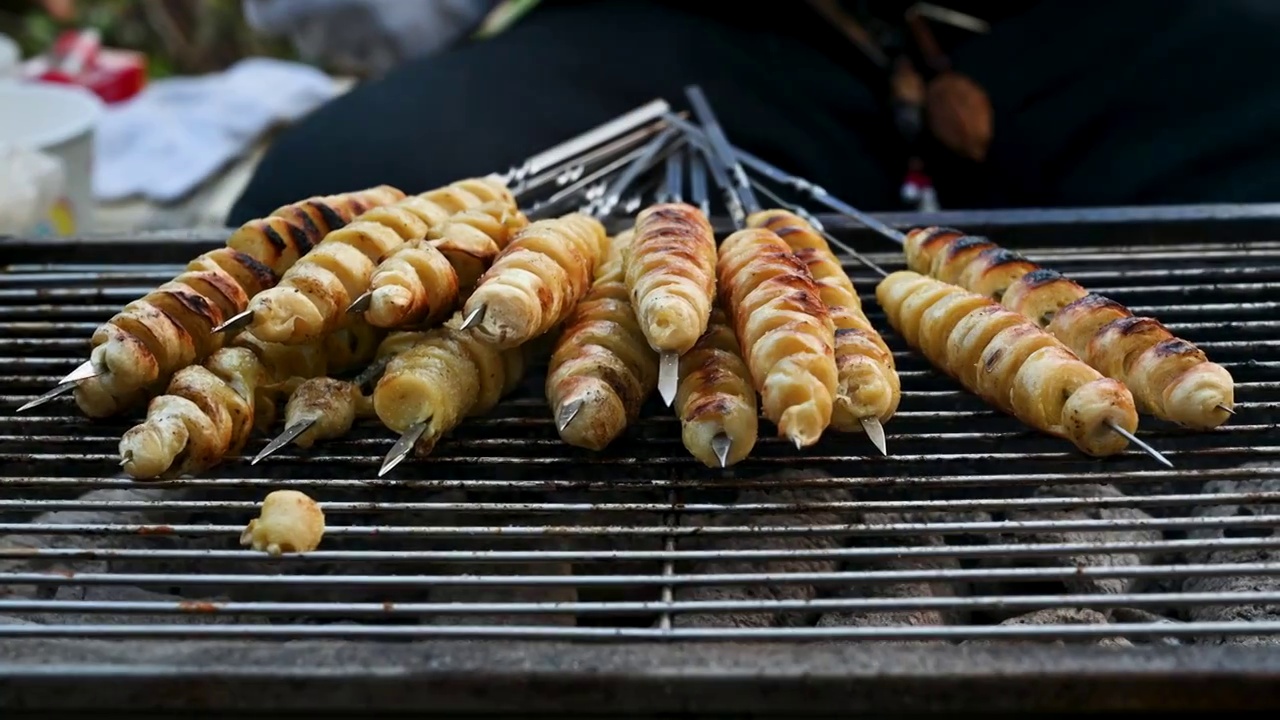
{"x":537,"y":280}
{"x":313,"y":296}
{"x":602,"y":368}
{"x":153,"y":337}
{"x":1005,"y":359}
{"x":785,"y":332}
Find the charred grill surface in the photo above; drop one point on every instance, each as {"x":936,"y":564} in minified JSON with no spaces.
{"x":975,"y":530}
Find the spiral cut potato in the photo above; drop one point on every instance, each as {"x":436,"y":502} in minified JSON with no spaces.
{"x":330,"y":407}
{"x":422,"y":282}
{"x":291,"y":231}
{"x":1006,"y":360}
{"x":443,"y":378}
{"x":289,"y":521}
{"x":715,"y":396}
{"x":869,"y":386}
{"x":313,"y":296}
{"x":537,"y":280}
{"x":208,"y":411}
{"x":671,"y":275}
{"x":602,"y":366}
{"x":784,"y":330}
{"x":1169,"y":377}
{"x":171,"y":327}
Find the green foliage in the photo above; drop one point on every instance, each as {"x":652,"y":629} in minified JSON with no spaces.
{"x":178,"y":36}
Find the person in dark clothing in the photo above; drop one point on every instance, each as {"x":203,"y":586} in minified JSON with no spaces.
{"x":1095,"y":103}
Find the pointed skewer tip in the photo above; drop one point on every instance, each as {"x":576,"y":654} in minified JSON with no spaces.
{"x":566,"y":414}
{"x":1155,"y":454}
{"x":83,"y":371}
{"x":474,"y":318}
{"x":58,"y":391}
{"x":721,"y":444}
{"x":361,"y":304}
{"x":236,"y":322}
{"x":404,"y":446}
{"x":875,"y":433}
{"x":290,"y":434}
{"x":1226,"y":410}
{"x":668,"y":376}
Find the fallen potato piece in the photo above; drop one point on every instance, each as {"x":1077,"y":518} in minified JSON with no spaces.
{"x":289,"y":522}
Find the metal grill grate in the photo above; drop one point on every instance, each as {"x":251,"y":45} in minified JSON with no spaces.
{"x":974,"y":529}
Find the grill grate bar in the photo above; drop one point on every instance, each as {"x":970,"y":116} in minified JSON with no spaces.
{"x":1101,"y":547}
{"x":1022,"y":574}
{"x":685,"y":507}
{"x":613,"y":634}
{"x":982,"y":480}
{"x":364,"y":460}
{"x":1024,"y":602}
{"x":936,"y":528}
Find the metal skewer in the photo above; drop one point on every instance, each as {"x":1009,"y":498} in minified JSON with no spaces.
{"x":722,"y":154}
{"x":365,"y":300}
{"x":721,"y":443}
{"x":518,"y":177}
{"x":404,"y":446}
{"x":815,"y":192}
{"x":566,"y":414}
{"x":235,"y":323}
{"x":821,"y":195}
{"x":83,"y":371}
{"x":668,"y":361}
{"x":58,"y":390}
{"x":546,"y":208}
{"x":291,"y":433}
{"x":645,"y":159}
{"x":581,"y":144}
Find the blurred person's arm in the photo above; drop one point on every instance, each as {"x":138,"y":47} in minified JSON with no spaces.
{"x":367,"y":36}
{"x":59,"y":9}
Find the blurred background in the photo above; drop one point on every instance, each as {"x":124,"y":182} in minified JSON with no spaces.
{"x":118,"y":116}
{"x":177,"y":36}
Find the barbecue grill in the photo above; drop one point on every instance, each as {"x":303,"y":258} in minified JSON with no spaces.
{"x":979,"y":565}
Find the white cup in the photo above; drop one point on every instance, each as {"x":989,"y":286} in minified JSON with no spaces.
{"x":10,"y":58}
{"x":58,"y":120}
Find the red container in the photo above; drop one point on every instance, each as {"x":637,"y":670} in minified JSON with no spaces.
{"x":78,"y":58}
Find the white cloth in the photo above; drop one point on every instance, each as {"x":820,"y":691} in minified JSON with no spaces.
{"x":367,"y":36}
{"x":179,"y":132}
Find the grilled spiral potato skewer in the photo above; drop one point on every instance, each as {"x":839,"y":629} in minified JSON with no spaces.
{"x":421,"y":282}
{"x":1006,"y":360}
{"x":536,"y":281}
{"x":138,"y":350}
{"x":208,"y":411}
{"x":1169,"y":377}
{"x":291,"y":231}
{"x":784,"y":330}
{"x":323,"y":408}
{"x":715,"y":401}
{"x":449,"y":374}
{"x":313,"y":296}
{"x":602,"y":368}
{"x":869,"y":389}
{"x":671,"y":276}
